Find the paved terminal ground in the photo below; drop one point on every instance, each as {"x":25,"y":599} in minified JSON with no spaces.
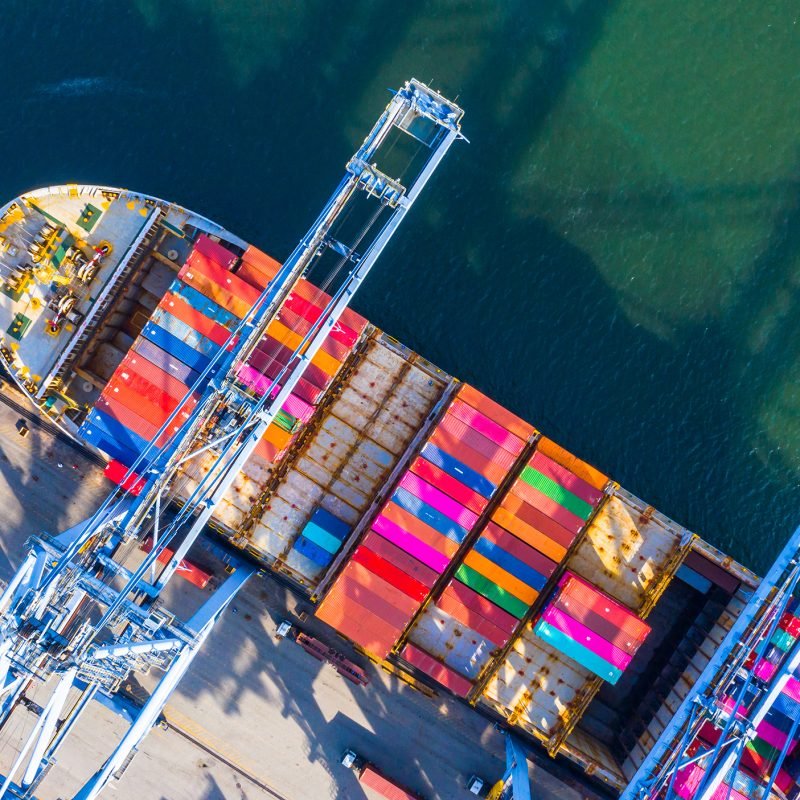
{"x":255,"y":717}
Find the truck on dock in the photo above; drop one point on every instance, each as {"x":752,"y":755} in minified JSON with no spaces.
{"x":370,"y":776}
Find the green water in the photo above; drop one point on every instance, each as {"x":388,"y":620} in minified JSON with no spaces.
{"x":615,"y":256}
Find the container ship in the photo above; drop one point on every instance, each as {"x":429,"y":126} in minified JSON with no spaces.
{"x":436,"y":530}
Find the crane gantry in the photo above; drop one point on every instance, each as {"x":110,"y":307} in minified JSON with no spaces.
{"x":77,"y":621}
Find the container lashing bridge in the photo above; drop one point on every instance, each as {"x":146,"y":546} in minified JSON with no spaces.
{"x":74,"y":620}
{"x":700,"y":753}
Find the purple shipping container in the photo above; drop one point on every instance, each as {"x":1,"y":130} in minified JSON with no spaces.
{"x":589,"y":639}
{"x":563,"y":477}
{"x":255,"y":380}
{"x":490,"y":429}
{"x":408,"y":542}
{"x":422,"y":490}
{"x":164,"y":360}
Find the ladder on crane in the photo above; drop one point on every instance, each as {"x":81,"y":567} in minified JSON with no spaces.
{"x":74,"y":618}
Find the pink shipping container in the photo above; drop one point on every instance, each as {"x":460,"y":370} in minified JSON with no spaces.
{"x":495,"y":411}
{"x":422,"y":490}
{"x":543,"y":503}
{"x":472,"y":619}
{"x":792,"y":689}
{"x":157,"y":376}
{"x":773,"y":736}
{"x":764,"y":670}
{"x":477,"y":441}
{"x":383,"y":786}
{"x":364,"y":577}
{"x":449,"y":485}
{"x":491,"y":430}
{"x":298,"y":407}
{"x":379,"y":604}
{"x":408,"y":542}
{"x":439,"y":672}
{"x":400,"y":558}
{"x":589,"y":639}
{"x":563,"y":477}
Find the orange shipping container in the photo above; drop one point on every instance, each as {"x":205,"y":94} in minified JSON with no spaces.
{"x":423,"y":532}
{"x":327,"y":363}
{"x":502,"y":416}
{"x":277,"y":437}
{"x":466,"y":455}
{"x":580,"y":468}
{"x":538,"y":520}
{"x":215,"y":292}
{"x":537,"y":539}
{"x":505,"y":580}
{"x":259,"y":262}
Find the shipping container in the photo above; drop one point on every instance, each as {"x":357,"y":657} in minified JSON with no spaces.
{"x":470,"y":599}
{"x":390,"y":573}
{"x":196,"y":320}
{"x":180,"y":330}
{"x":199,"y":263}
{"x":429,"y":515}
{"x":215,"y":251}
{"x":453,"y":446}
{"x":528,"y":534}
{"x":472,"y":619}
{"x":385,"y":788}
{"x":410,"y":543}
{"x":486,"y":427}
{"x":478,"y":442}
{"x":128,"y":378}
{"x":548,"y":506}
{"x":458,"y":470}
{"x":258,"y":261}
{"x":213,"y":291}
{"x":557,"y":493}
{"x":510,"y":563}
{"x":134,"y":365}
{"x":444,"y":504}
{"x":519,"y":549}
{"x":399,"y":558}
{"x":204,"y":305}
{"x":496,"y":412}
{"x":562,"y":476}
{"x":165,"y":361}
{"x":167,"y":341}
{"x":500,"y":577}
{"x":419,"y":529}
{"x":587,"y":638}
{"x":117,"y":472}
{"x":517,"y":507}
{"x":450,"y":486}
{"x":441,"y":673}
{"x":580,"y":468}
{"x":491,"y":591}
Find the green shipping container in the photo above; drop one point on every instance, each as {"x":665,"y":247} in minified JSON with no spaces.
{"x":559,"y":494}
{"x":491,"y":591}
{"x":286,"y":421}
{"x":763,"y":749}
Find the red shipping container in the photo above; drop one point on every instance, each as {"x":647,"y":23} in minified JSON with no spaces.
{"x":519,"y":549}
{"x":270,"y":357}
{"x":563,"y":477}
{"x":186,"y":570}
{"x":378,"y":586}
{"x":340,"y":332}
{"x":294,"y":321}
{"x":486,"y":608}
{"x":249,"y":274}
{"x":574,"y":588}
{"x":790,"y":624}
{"x":580,"y":468}
{"x":449,"y":485}
{"x":216,"y":251}
{"x":379,"y":604}
{"x":502,"y":416}
{"x":400,"y":559}
{"x":383,"y":786}
{"x":487,"y":427}
{"x":430,"y":536}
{"x":472,"y":619}
{"x":550,"y":508}
{"x":138,"y":386}
{"x":167,"y":383}
{"x":312,"y":294}
{"x":266,"y":450}
{"x":536,"y":519}
{"x":180,"y":309}
{"x":199,"y":263}
{"x":154,"y":414}
{"x":486,"y":447}
{"x":438,"y":671}
{"x":528,"y":534}
{"x":117,"y":472}
{"x":132,"y":421}
{"x":467,"y":456}
{"x":302,"y":388}
{"x":390,"y":573}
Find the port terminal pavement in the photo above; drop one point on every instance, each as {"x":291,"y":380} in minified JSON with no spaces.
{"x":255,"y":717}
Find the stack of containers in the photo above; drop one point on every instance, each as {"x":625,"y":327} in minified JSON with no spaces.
{"x":786,"y":634}
{"x":191,"y":323}
{"x":436,"y":504}
{"x":588,"y":626}
{"x":322,"y":537}
{"x":298,"y":312}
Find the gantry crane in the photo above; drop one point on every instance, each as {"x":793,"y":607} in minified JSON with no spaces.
{"x":74,"y":618}
{"x":732,"y":697}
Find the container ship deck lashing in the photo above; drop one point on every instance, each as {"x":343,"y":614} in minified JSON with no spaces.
{"x":436,"y":530}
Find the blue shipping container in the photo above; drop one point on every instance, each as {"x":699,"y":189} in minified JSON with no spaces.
{"x":577,"y":652}
{"x":510,"y":563}
{"x":102,"y":441}
{"x":205,"y":305}
{"x":331,"y":524}
{"x":312,"y":551}
{"x":429,"y":515}
{"x":453,"y":467}
{"x":184,"y":332}
{"x":321,"y":537}
{"x":173,"y":345}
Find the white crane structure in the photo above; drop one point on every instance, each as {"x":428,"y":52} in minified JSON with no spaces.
{"x":74,"y":618}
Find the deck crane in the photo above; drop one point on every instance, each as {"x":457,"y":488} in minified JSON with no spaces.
{"x":730,"y":699}
{"x":74,"y":619}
